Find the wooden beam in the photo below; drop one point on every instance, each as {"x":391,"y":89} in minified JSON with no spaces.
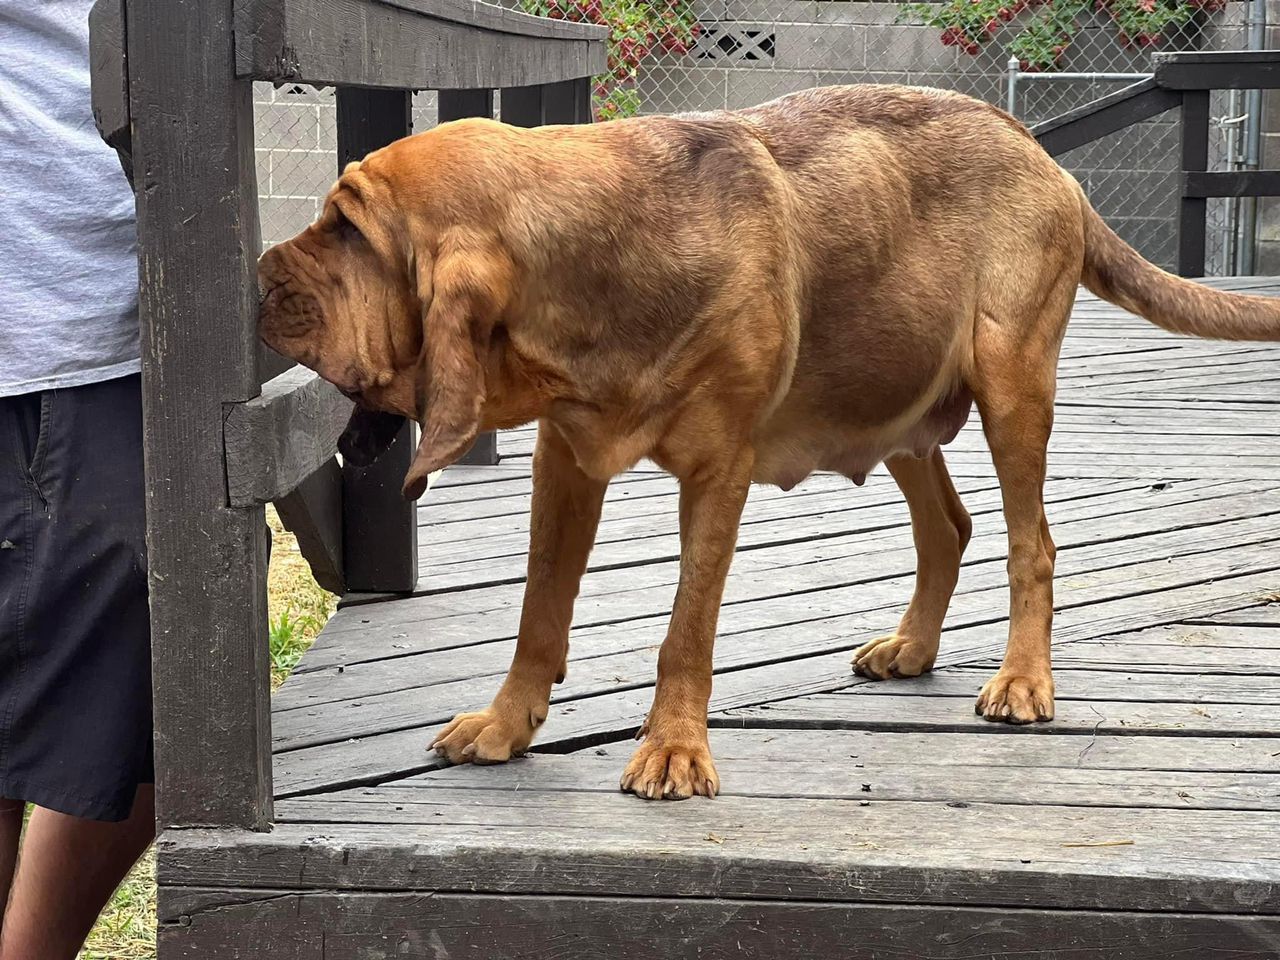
{"x":1236,"y":183}
{"x":1218,"y":70}
{"x":192,"y":125}
{"x":313,"y":514}
{"x":622,"y":925}
{"x":109,"y":78}
{"x":1106,"y":115}
{"x":380,"y":539}
{"x":278,"y":439}
{"x":410,"y":44}
{"x":1195,"y":159}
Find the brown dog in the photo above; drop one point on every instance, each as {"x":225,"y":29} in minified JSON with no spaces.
{"x":824,"y":282}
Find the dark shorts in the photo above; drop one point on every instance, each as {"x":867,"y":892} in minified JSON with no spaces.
{"x":75,"y":638}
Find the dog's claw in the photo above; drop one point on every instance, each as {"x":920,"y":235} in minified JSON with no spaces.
{"x":894,"y":656}
{"x":1016,"y":698}
{"x":676,"y":772}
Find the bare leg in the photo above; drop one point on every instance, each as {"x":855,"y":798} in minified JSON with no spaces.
{"x":10,"y":833}
{"x":69,"y":869}
{"x":940,"y":526}
{"x":675,"y":760}
{"x":1014,"y":388}
{"x":565,"y":514}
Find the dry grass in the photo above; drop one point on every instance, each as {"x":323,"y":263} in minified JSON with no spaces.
{"x":298,"y":608}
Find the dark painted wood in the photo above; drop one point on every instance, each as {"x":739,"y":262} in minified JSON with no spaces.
{"x":248,"y":923}
{"x":523,"y":106}
{"x":407,"y":44}
{"x":459,"y":104}
{"x":568,"y":101}
{"x":313,"y":514}
{"x":1235,"y":183}
{"x":281,"y":437}
{"x":570,"y":842}
{"x":198,"y":311}
{"x":1195,"y":158}
{"x":109,"y":78}
{"x":484,"y":452}
{"x":1218,"y":70}
{"x":1106,"y":115}
{"x":380,"y":544}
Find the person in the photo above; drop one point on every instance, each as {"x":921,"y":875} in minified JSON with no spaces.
{"x":75,"y":679}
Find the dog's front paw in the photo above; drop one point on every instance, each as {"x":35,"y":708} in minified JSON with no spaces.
{"x":493,"y":735}
{"x":1016,"y":697}
{"x":671,"y":770}
{"x":894,"y":656}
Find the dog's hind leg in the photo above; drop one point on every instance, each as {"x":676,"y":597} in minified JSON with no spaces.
{"x":940,"y":526}
{"x":1015,"y":367}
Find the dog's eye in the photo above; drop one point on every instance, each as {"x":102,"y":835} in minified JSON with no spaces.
{"x":345,"y":229}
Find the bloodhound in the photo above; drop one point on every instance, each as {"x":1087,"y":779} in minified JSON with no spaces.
{"x":824,"y":282}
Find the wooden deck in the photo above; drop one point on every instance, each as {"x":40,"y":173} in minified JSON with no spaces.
{"x":857,"y":818}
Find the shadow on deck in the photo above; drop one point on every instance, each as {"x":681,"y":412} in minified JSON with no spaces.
{"x":1143,"y":822}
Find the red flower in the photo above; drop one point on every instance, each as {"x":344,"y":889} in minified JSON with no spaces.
{"x":950,"y":37}
{"x":1005,"y":14}
{"x":991,"y":26}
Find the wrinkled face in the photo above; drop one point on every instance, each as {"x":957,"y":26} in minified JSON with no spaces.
{"x":393,"y":309}
{"x":339,"y":300}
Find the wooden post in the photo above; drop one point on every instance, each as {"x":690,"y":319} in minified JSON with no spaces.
{"x":197,"y":202}
{"x":1195,"y":158}
{"x":379,"y":526}
{"x":454,"y":105}
{"x":568,"y":101}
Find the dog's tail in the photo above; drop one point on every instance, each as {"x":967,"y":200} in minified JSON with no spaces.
{"x":1117,"y":272}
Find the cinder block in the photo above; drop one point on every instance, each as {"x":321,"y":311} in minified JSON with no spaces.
{"x":854,"y":11}
{"x":773,"y":11}
{"x":911,"y":48}
{"x":290,"y":126}
{"x":821,"y":47}
{"x":670,"y":89}
{"x":749,"y":88}
{"x":303,"y":173}
{"x":283,"y":218}
{"x":1157,"y":240}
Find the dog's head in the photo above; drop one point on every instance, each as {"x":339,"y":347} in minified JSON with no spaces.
{"x":391,"y":303}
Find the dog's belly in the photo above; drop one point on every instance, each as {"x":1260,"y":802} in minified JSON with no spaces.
{"x":786,"y":452}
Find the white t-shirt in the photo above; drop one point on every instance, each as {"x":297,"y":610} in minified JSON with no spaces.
{"x":68,"y":259}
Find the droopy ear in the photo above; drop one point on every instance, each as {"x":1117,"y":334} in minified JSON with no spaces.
{"x":461,"y":301}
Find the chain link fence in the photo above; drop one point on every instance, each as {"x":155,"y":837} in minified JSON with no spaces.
{"x":743,"y":52}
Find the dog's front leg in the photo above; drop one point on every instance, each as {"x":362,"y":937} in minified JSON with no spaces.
{"x":675,"y":760}
{"x":565,"y":513}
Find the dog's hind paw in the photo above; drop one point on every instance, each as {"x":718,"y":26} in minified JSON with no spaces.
{"x":1016,"y":698}
{"x":894,"y":656}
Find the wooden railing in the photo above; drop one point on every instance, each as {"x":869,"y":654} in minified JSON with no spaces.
{"x":228,"y":425}
{"x":1182,"y":81}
